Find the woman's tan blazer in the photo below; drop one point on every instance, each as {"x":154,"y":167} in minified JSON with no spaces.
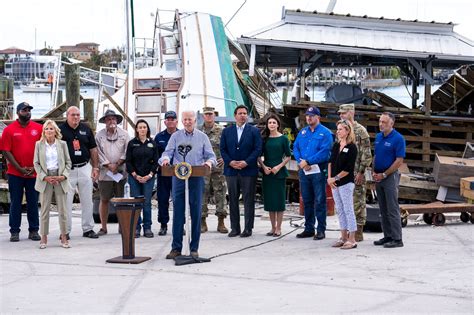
{"x":64,"y":162}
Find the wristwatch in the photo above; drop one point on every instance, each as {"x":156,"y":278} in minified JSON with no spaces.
{"x":384,"y":175}
{"x":337,"y":177}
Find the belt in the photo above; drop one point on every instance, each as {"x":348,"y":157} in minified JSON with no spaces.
{"x":79,"y":165}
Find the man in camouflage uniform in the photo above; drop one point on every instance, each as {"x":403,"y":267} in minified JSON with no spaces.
{"x":363,"y":160}
{"x":216,"y":181}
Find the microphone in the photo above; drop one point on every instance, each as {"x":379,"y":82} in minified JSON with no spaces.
{"x":183,"y":150}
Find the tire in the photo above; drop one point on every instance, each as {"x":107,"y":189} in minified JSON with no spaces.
{"x":428,"y":218}
{"x":465,"y":217}
{"x":439,"y":219}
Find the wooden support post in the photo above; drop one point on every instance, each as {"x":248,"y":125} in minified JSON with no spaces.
{"x":426,"y":143}
{"x":60,"y":97}
{"x":429,"y":70}
{"x":89,"y":112}
{"x":72,"y":85}
{"x":414,"y":85}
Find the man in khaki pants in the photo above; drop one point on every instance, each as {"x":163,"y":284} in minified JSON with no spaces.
{"x":83,"y":152}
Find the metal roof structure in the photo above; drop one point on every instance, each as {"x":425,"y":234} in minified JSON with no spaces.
{"x":345,"y":40}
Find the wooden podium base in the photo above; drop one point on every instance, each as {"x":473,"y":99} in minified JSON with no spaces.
{"x":128,"y":211}
{"x":121,"y":260}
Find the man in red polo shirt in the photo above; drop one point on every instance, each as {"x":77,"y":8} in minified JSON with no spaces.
{"x":19,"y":140}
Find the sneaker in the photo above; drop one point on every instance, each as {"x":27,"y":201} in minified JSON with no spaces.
{"x":34,"y":236}
{"x":173,"y":254}
{"x":15,"y":237}
{"x":382,"y":241}
{"x":90,"y":234}
{"x":148,"y":233}
{"x":305,"y":234}
{"x":137,"y":233}
{"x":102,"y":232}
{"x":393,"y":244}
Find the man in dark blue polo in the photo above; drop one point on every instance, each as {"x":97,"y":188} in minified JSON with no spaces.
{"x":389,"y":155}
{"x":312,"y":150}
{"x":164,"y":182}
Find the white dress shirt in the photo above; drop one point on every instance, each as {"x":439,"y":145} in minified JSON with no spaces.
{"x":51,"y":156}
{"x":239,"y":131}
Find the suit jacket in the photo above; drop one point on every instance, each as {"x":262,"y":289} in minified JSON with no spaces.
{"x":248,"y":149}
{"x":39,"y":163}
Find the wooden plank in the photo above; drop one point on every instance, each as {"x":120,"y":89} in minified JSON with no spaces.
{"x":416,"y":194}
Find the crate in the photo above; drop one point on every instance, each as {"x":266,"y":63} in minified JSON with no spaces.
{"x":467,"y":187}
{"x":447,"y":171}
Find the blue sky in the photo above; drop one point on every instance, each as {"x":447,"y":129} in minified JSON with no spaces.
{"x":67,"y":22}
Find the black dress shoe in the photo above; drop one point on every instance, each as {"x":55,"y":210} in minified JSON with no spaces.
{"x":382,"y":241}
{"x":233,"y":233}
{"x":305,"y":234}
{"x":163,"y":230}
{"x":90,"y":234}
{"x":246,"y":233}
{"x":393,"y":244}
{"x":319,"y":236}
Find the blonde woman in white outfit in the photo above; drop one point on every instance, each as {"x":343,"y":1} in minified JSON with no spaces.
{"x":52,"y":164}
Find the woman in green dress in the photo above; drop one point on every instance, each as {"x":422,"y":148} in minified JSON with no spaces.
{"x":276,"y":153}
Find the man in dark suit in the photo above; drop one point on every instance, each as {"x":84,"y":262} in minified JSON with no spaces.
{"x":241,"y":145}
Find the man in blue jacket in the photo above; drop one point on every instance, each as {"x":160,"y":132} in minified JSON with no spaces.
{"x":241,"y":145}
{"x":312,"y":150}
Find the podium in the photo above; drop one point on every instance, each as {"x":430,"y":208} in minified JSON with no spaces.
{"x":184,"y":171}
{"x":128,"y":211}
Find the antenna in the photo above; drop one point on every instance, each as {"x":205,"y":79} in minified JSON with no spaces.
{"x":245,"y":1}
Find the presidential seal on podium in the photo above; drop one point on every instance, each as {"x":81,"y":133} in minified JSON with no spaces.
{"x":183,"y":170}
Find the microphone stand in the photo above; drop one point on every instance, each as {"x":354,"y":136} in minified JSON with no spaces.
{"x":187,"y":259}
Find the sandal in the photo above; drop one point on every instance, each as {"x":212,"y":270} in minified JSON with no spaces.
{"x":270,"y":233}
{"x":277,"y":234}
{"x":349,"y":245}
{"x":42,"y":245}
{"x":338,"y":243}
{"x":65,"y":245}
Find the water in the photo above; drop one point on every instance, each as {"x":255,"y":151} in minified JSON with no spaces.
{"x":41,"y":102}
